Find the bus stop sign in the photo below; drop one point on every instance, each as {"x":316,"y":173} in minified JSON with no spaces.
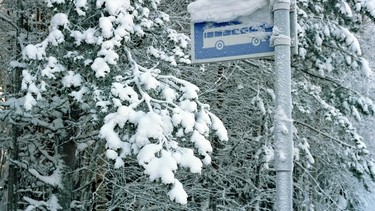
{"x":214,"y":42}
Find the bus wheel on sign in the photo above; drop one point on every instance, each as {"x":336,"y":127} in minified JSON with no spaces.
{"x":256,"y":41}
{"x":219,"y":45}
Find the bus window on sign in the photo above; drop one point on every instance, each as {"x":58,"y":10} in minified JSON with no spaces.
{"x":220,"y":37}
{"x":236,"y":31}
{"x":245,"y":30}
{"x":208,"y":35}
{"x":227,"y":32}
{"x":218,"y":33}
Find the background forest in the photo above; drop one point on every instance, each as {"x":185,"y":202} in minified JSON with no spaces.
{"x":101,"y":110}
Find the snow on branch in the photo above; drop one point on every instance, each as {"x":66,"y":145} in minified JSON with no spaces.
{"x":156,"y":118}
{"x":172,"y":113}
{"x":52,"y":203}
{"x":53,"y":179}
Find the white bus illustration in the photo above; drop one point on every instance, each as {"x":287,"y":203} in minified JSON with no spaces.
{"x":233,"y":35}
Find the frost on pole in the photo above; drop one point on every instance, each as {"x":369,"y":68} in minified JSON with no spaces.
{"x":283,"y":136}
{"x":229,"y":30}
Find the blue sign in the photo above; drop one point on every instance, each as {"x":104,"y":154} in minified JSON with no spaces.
{"x":213,"y":42}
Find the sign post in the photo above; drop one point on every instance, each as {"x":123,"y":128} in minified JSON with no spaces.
{"x":283,"y":109}
{"x":232,"y":40}
{"x":245,"y":38}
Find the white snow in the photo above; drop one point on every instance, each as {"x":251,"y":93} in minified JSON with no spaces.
{"x":180,"y":39}
{"x":56,"y":37}
{"x":167,"y":122}
{"x":169,"y":108}
{"x":50,"y":2}
{"x":27,"y":78}
{"x":59,"y":19}
{"x":80,"y":6}
{"x":350,"y":40}
{"x":119,"y":163}
{"x":52,"y":203}
{"x":169,"y":94}
{"x":186,"y":119}
{"x":162,"y":55}
{"x":207,"y":160}
{"x":342,"y":203}
{"x":79,"y":94}
{"x":189,"y":106}
{"x":370,"y":5}
{"x":125,"y":93}
{"x":162,"y":168}
{"x":105,"y":23}
{"x":202,"y":123}
{"x":52,"y":67}
{"x":269,"y":155}
{"x":185,"y":157}
{"x":345,"y":8}
{"x":72,"y":79}
{"x":111,"y":154}
{"x":366,"y":68}
{"x":148,"y":80}
{"x":223,"y":10}
{"x":147,"y":153}
{"x":54,"y":179}
{"x":259,"y":103}
{"x":35,"y":52}
{"x":100,"y":67}
{"x":178,"y":193}
{"x":125,"y":24}
{"x":201,"y":143}
{"x":190,"y":91}
{"x":218,"y":125}
{"x":356,"y":113}
{"x":305,"y":147}
{"x":107,"y":132}
{"x":114,"y":6}
{"x":29,"y":102}
{"x":88,"y":36}
{"x":15,"y":64}
{"x":126,"y":149}
{"x":149,"y":126}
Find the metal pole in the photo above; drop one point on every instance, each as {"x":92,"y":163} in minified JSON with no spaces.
{"x":283,"y":108}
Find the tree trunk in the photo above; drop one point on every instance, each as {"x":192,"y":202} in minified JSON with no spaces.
{"x":13,"y":171}
{"x":100,"y":189}
{"x":13,"y":176}
{"x":68,"y":150}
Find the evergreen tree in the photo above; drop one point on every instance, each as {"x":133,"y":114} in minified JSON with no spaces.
{"x":102,"y":72}
{"x":331,"y":159}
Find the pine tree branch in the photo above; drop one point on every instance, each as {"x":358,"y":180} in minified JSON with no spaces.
{"x":331,"y":80}
{"x":9,"y":21}
{"x":317,"y":184}
{"x":324,"y":134}
{"x":328,"y":79}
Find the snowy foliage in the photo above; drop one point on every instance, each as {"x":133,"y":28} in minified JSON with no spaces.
{"x":104,"y":78}
{"x":96,"y":59}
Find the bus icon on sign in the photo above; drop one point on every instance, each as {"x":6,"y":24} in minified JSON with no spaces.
{"x":219,"y":37}
{"x":232,"y":40}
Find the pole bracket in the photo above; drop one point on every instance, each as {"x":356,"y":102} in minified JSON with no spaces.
{"x":284,"y":170}
{"x":281,"y":5}
{"x":277,"y":40}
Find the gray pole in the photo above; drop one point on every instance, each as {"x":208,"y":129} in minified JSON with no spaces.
{"x":283,"y":108}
